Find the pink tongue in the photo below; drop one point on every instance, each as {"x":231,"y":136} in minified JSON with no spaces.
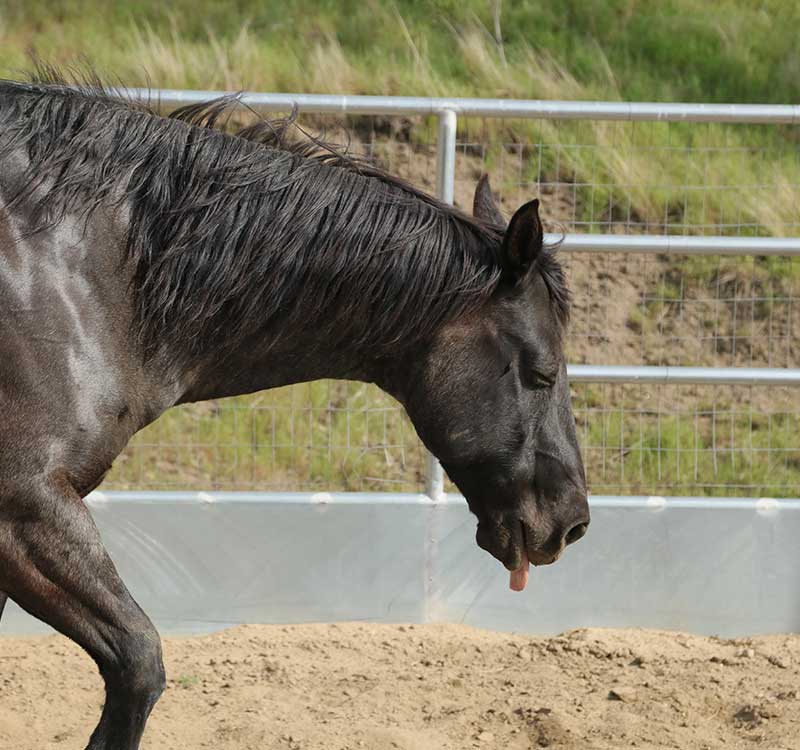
{"x":519,"y":577}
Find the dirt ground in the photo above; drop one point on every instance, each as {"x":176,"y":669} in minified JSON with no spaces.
{"x":431,"y":687}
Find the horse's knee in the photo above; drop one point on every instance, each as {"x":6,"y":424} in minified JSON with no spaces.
{"x":138,"y":673}
{"x":146,"y":668}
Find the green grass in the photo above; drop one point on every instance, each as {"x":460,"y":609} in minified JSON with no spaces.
{"x":322,"y":435}
{"x":733,"y":50}
{"x":347,"y":436}
{"x":720,"y":450}
{"x":187,"y":681}
{"x":677,"y":50}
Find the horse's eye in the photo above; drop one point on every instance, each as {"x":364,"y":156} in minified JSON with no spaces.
{"x":538,"y":380}
{"x":506,"y":370}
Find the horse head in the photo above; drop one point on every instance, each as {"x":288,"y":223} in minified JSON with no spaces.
{"x":490,"y":399}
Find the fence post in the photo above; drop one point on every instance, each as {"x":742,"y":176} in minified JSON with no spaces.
{"x":445,"y":186}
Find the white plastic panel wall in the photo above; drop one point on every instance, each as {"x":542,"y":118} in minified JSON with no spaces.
{"x":715,"y":566}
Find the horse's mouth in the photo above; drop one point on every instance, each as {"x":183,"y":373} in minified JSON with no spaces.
{"x":515,"y":545}
{"x":519,"y":576}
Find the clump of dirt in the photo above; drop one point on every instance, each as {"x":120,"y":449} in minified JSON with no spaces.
{"x":431,"y":687}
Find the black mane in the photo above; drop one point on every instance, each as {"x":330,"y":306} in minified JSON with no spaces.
{"x":230,"y":233}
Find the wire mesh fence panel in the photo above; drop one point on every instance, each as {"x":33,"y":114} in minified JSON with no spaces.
{"x":644,"y":177}
{"x":658,"y":178}
{"x":326,"y":435}
{"x":715,"y":311}
{"x":681,"y":440}
{"x":610,"y":177}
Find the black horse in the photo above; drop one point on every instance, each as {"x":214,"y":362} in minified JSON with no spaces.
{"x":149,"y":261}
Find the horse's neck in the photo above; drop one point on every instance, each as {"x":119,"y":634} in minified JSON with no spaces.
{"x":251,"y":368}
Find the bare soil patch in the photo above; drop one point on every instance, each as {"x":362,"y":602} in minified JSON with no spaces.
{"x":433,"y":687}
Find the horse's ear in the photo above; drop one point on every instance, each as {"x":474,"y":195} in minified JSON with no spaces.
{"x":483,"y":206}
{"x":522,"y":241}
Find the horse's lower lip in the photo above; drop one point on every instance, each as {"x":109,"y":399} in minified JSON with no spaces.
{"x":538,"y":556}
{"x":542,"y":558}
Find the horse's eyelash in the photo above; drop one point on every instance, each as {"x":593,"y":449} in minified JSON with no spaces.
{"x":544,"y":381}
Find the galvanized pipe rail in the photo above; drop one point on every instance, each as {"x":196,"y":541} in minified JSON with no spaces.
{"x":668,"y":375}
{"x":521,"y":108}
{"x":676,"y":244}
{"x":102,"y":498}
{"x":447,"y":111}
{"x":445,"y":189}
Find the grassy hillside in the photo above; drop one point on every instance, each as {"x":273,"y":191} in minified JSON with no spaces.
{"x":602,"y":177}
{"x":674,"y":50}
{"x":732,"y":50}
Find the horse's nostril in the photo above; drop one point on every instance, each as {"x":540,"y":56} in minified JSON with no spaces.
{"x":575,"y":533}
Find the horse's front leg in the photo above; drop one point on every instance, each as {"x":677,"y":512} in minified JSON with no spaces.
{"x":53,"y":564}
